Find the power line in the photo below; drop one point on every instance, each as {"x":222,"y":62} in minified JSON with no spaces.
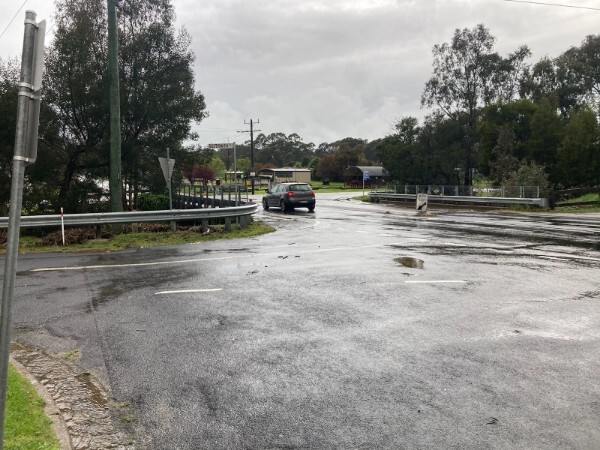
{"x":12,"y":20}
{"x":553,"y":4}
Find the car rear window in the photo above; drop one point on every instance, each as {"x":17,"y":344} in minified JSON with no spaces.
{"x":300,"y":187}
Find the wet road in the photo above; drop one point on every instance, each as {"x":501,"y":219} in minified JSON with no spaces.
{"x":357,"y":326}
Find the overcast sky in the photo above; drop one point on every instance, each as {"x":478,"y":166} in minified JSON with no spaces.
{"x":329,"y":69}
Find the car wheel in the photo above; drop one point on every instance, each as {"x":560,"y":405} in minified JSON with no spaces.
{"x":311,"y":208}
{"x":265,"y":204}
{"x":282,"y":206}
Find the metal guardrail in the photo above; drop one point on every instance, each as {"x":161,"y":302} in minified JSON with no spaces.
{"x":466,"y":191}
{"x":111,"y":218}
{"x":500,"y":201}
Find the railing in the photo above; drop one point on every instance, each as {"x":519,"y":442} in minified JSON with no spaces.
{"x":488,"y":196}
{"x":243,"y":213}
{"x":466,"y":191}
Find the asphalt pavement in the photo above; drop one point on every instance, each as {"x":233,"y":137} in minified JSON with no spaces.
{"x":356,"y":326}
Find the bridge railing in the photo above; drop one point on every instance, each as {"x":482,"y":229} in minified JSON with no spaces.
{"x":464,"y":191}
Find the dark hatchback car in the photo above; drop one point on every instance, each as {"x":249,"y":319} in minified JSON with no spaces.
{"x":287,"y":196}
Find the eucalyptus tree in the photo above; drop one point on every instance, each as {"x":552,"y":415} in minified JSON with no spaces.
{"x":467,"y":75}
{"x":158,"y":98}
{"x":557,"y":80}
{"x":76,"y":90}
{"x":279,"y":149}
{"x":587,"y":65}
{"x":579,"y":150}
{"x":9,"y":78}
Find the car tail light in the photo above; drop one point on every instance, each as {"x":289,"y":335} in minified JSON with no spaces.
{"x":290,"y":194}
{"x":312,"y":193}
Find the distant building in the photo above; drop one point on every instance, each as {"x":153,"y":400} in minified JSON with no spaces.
{"x":285,"y":175}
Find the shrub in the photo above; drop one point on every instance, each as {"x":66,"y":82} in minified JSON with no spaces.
{"x":153,"y":202}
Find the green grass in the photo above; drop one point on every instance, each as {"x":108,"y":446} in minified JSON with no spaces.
{"x":580,"y":208}
{"x":26,"y":426}
{"x":583,"y":198}
{"x":123,"y":241}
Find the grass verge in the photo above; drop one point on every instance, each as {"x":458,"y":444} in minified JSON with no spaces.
{"x":29,"y":244}
{"x":26,"y":427}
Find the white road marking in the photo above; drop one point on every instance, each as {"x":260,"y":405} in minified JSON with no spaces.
{"x":436,"y":281}
{"x":187,"y":291}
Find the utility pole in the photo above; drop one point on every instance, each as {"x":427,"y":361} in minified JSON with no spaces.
{"x":251,"y":131}
{"x":114,"y":183}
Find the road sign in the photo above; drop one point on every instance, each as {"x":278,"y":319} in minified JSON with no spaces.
{"x":422,"y":202}
{"x":167,"y":167}
{"x":365,"y":175}
{"x":228,"y":145}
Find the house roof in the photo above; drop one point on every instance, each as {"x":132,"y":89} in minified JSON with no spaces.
{"x":286,"y":169}
{"x":374,"y":171}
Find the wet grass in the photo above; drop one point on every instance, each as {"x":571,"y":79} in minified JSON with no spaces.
{"x":574,"y":204}
{"x":26,"y":425}
{"x":124,"y":241}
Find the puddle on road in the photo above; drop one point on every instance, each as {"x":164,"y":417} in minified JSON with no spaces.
{"x":412,"y":263}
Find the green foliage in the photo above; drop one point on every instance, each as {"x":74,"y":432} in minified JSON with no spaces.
{"x":9,"y":77}
{"x":529,"y":174}
{"x":279,"y":150}
{"x":218,"y":167}
{"x":153,"y":202}
{"x":26,"y":426}
{"x":158,"y":98}
{"x":338,"y":157}
{"x":504,"y":162}
{"x":579,"y":150}
{"x":467,"y":75}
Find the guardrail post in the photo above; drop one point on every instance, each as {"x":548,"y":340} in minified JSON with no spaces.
{"x":227,"y":223}
{"x":203,"y":225}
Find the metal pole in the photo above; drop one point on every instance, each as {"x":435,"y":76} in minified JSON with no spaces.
{"x":234,"y":165}
{"x":252,"y":153}
{"x":173,"y":226}
{"x":62,"y":224}
{"x":115,"y":184}
{"x":16,"y":201}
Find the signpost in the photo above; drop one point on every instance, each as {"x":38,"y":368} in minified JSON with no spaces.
{"x":228,"y":145}
{"x":167,"y":164}
{"x":365,"y":178}
{"x":26,"y":137}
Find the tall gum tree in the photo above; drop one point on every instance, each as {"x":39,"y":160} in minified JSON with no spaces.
{"x":158,"y":97}
{"x":468,"y":74}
